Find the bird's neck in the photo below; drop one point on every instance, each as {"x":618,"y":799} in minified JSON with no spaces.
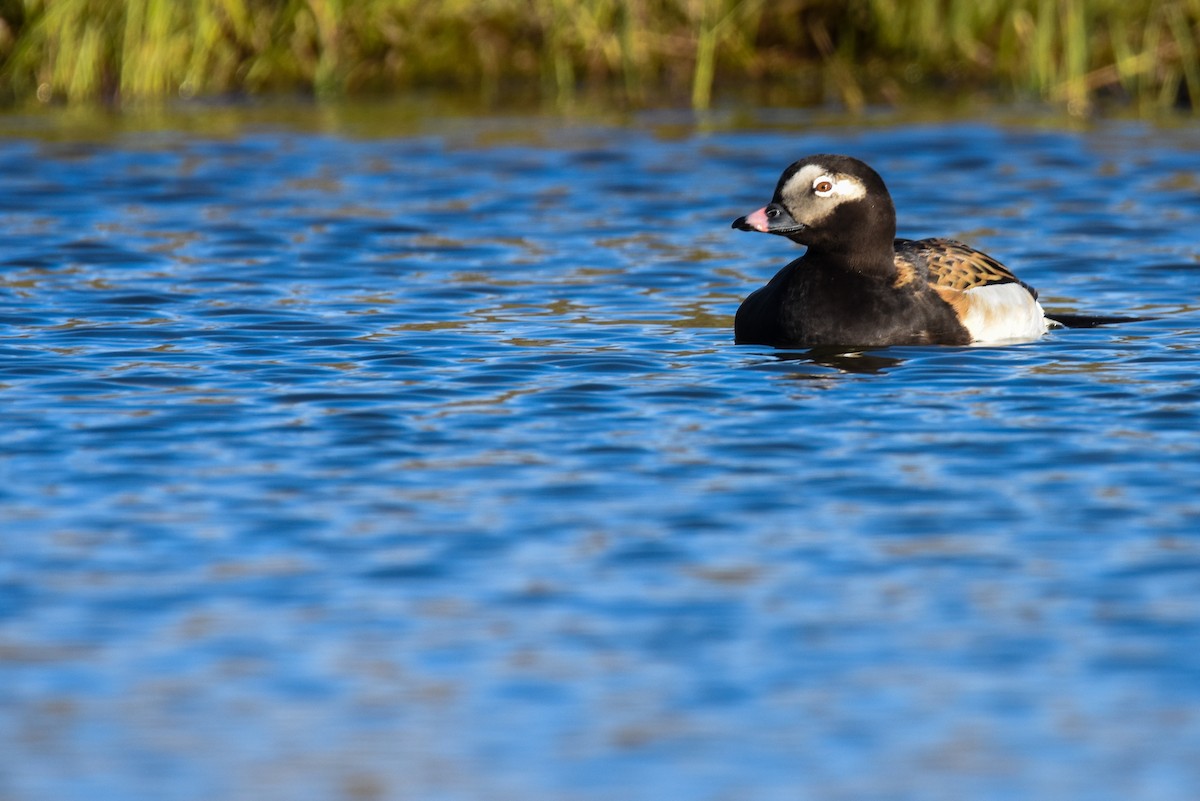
{"x":875,"y":258}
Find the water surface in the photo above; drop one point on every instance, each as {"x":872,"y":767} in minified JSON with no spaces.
{"x":415,"y":460}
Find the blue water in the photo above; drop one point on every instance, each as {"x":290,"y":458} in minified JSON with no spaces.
{"x":372,"y":458}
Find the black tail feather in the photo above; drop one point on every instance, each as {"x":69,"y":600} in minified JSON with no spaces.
{"x":1092,"y":320}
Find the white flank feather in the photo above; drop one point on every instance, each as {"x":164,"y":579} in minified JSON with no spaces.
{"x":1003,"y":313}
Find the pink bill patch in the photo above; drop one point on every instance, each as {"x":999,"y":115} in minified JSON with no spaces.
{"x":758,"y":220}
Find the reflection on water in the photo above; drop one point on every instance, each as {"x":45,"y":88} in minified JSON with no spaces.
{"x":841,"y":360}
{"x":365,"y":457}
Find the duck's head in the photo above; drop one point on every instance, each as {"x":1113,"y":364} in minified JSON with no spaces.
{"x":832,"y":203}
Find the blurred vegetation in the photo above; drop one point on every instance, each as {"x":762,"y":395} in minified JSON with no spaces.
{"x":1072,"y":52}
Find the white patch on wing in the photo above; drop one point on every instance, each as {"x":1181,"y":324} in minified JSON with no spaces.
{"x":1003,"y":313}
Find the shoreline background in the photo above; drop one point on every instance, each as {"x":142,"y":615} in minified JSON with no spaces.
{"x":1074,"y":54}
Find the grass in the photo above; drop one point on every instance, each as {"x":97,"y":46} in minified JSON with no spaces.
{"x":1070,"y":52}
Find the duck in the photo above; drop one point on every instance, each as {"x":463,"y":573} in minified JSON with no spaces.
{"x":857,"y":285}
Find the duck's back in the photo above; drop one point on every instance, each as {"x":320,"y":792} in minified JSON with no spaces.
{"x":990,"y":302}
{"x":952,"y":265}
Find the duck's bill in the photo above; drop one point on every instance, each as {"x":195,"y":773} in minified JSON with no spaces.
{"x":771,"y":219}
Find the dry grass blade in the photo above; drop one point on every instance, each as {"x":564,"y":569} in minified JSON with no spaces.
{"x":645,"y":50}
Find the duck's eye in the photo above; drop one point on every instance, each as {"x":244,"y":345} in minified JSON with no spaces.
{"x":823,"y":187}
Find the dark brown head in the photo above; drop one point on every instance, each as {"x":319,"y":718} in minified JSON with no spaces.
{"x":832,"y":204}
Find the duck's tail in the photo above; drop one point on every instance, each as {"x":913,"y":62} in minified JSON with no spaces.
{"x":1090,"y":320}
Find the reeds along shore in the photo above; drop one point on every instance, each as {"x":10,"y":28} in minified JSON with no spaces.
{"x":1071,"y":52}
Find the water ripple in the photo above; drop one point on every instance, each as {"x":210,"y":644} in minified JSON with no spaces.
{"x":426,"y":464}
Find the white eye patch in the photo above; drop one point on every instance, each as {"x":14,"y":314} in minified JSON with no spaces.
{"x":815,"y":180}
{"x":839,"y":185}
